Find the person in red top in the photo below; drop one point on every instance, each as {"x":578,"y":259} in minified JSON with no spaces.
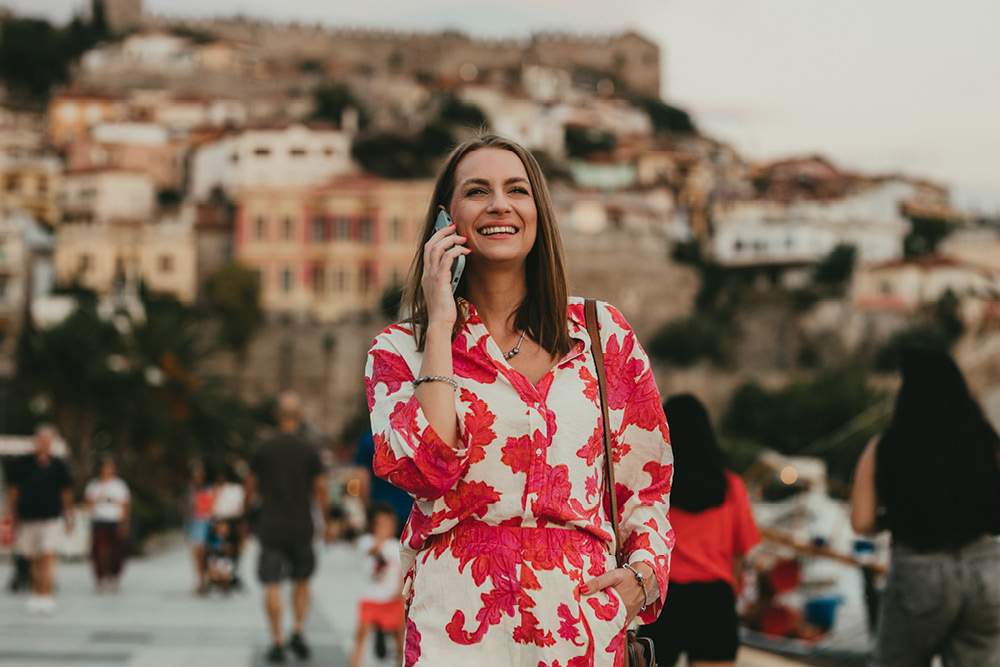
{"x":714,"y":529}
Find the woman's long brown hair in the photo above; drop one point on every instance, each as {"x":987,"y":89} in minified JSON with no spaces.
{"x":543,"y":311}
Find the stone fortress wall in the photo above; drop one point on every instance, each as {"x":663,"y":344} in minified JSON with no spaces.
{"x":631,"y":61}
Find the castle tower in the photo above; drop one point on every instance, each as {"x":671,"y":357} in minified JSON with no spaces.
{"x":121,"y":16}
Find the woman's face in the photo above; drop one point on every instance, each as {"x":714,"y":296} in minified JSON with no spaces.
{"x":493,"y":206}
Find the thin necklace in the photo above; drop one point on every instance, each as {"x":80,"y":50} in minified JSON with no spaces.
{"x":517,"y":348}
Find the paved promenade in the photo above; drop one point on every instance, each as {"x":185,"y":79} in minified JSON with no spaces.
{"x":155,"y":621}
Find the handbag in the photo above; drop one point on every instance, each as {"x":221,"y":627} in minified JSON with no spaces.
{"x":635,"y":656}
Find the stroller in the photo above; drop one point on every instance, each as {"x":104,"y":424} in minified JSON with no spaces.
{"x":222,"y":554}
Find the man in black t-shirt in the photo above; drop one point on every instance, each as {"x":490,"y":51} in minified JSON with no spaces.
{"x":287,"y":475}
{"x":40,"y":493}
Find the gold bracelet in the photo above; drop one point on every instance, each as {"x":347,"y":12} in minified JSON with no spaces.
{"x":436,"y":378}
{"x":641,"y":578}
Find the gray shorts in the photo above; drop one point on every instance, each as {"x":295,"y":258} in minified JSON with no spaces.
{"x":942,"y":603}
{"x":285,"y":560}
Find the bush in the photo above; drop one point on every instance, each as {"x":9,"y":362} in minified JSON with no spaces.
{"x":684,"y":342}
{"x":667,"y":118}
{"x":836,"y":268}
{"x":810,"y":412}
{"x":582,"y":142}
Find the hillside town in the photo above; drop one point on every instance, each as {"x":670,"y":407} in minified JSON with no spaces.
{"x":197,"y":215}
{"x":178,"y":151}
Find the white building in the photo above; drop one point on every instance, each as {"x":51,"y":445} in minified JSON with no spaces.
{"x":25,"y":273}
{"x":107,"y":195}
{"x":151,"y":51}
{"x":905,"y":285}
{"x":540,"y":125}
{"x":108,"y":256}
{"x":293,"y":156}
{"x":772,"y":233}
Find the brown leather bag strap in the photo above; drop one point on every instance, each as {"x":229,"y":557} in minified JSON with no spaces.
{"x":597,"y":349}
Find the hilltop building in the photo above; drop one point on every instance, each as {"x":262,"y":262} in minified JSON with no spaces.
{"x":31,"y":184}
{"x":293,"y":155}
{"x":331,"y":250}
{"x":121,"y":16}
{"x":621,"y":63}
{"x":785,"y":237}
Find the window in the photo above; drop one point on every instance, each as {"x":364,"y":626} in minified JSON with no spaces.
{"x":234,"y":158}
{"x":365,"y":279}
{"x":13,"y":182}
{"x":166,"y":263}
{"x":328,"y":152}
{"x":342,"y":281}
{"x":318,"y":228}
{"x":287,"y":228}
{"x":286,"y":280}
{"x":365,"y":229}
{"x":318,"y":279}
{"x":343,"y":228}
{"x":261,"y":228}
{"x":297,"y":152}
{"x":262,"y":152}
{"x":396,"y":229}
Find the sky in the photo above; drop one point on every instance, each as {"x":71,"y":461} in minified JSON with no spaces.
{"x":880,"y":86}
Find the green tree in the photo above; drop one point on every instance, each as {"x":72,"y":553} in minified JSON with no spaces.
{"x":667,"y":118}
{"x":683,"y":342}
{"x":582,"y":142}
{"x":332,"y":99}
{"x":35,"y":55}
{"x":455,"y":112}
{"x":234,"y":298}
{"x":925,"y":235}
{"x":133,"y":387}
{"x":837,"y":267}
{"x":818,"y":416}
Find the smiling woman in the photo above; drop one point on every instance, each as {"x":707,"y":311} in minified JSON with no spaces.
{"x":484,"y":407}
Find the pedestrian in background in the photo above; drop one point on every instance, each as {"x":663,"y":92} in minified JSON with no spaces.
{"x":380,"y":608}
{"x":109,"y":502}
{"x":287,"y":474}
{"x":229,"y":507}
{"x":41,"y":493}
{"x":933,"y":481}
{"x":714,"y":528}
{"x":200,"y":499}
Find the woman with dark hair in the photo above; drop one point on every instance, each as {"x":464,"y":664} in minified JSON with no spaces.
{"x":485,"y":408}
{"x":714,"y":527}
{"x":933,"y":480}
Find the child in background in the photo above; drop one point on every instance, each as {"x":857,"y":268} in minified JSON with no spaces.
{"x":381,"y":605}
{"x":220,"y":556}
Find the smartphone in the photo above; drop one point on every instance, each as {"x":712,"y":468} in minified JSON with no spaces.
{"x":443,"y":220}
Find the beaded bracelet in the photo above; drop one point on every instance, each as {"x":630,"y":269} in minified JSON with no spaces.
{"x":641,"y":578}
{"x":436,"y":378}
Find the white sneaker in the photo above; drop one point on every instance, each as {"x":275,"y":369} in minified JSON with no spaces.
{"x":47,"y":605}
{"x":33,"y":604}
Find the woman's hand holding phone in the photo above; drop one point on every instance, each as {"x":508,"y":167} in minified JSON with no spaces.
{"x":444,"y":260}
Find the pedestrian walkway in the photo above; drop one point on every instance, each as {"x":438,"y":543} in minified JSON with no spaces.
{"x":155,"y":621}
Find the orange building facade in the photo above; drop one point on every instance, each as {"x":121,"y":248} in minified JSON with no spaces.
{"x":329,"y":251}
